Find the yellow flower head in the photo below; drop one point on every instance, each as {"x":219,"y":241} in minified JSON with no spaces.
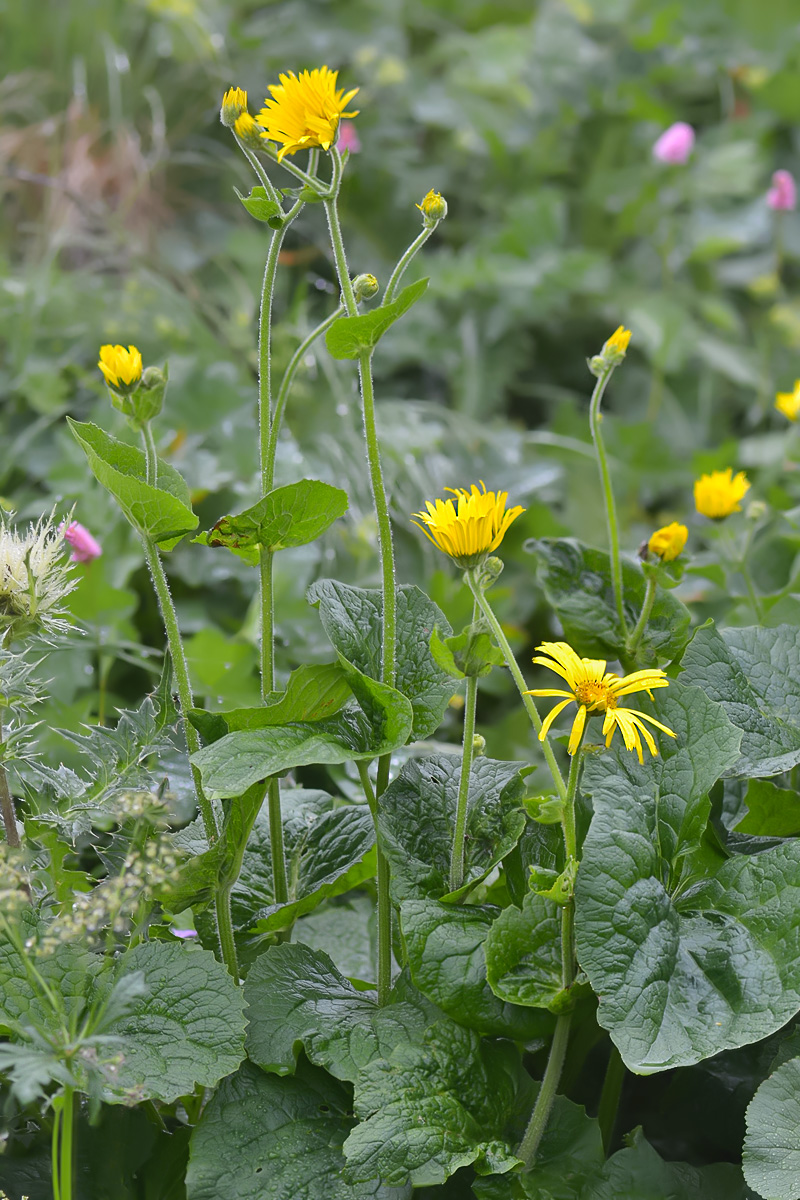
{"x":433,"y":207}
{"x":618,"y":342}
{"x":234,"y":103}
{"x":247,"y":130}
{"x":717,"y":495}
{"x":789,"y":402}
{"x":469,"y":527}
{"x":596,"y":690}
{"x":305,"y":110}
{"x":668,"y":541}
{"x":122,"y":368}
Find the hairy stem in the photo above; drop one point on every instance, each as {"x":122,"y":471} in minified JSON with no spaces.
{"x":468,"y":745}
{"x":403,"y":261}
{"x":6,"y":802}
{"x":595,"y":419}
{"x":384,"y":899}
{"x":644,"y":616}
{"x":518,"y":677}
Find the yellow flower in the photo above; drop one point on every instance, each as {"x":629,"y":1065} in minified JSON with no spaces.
{"x":248,"y":131}
{"x":618,"y":342}
{"x":789,"y":402}
{"x":668,"y":541}
{"x":122,"y":368}
{"x":433,"y":207}
{"x":596,"y":690}
{"x":234,"y":103}
{"x":305,"y":110}
{"x":469,"y":527}
{"x":717,"y":495}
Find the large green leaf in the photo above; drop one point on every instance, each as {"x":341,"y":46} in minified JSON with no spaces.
{"x":447,"y":960}
{"x":352,"y":618}
{"x":639,"y":1173}
{"x":266,"y":1138}
{"x":187,"y":1028}
{"x":576,"y":580}
{"x":417,"y":817}
{"x":351,"y":336}
{"x":376,"y":721}
{"x":299,"y":1000}
{"x":437,"y":1103}
{"x":771,"y":1156}
{"x":685,"y":961}
{"x":753,"y":673}
{"x":523,"y":955}
{"x":288,"y":516}
{"x":162,"y":511}
{"x":771,"y":811}
{"x":329,"y":850}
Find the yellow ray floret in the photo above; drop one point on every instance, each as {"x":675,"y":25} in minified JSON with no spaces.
{"x":596,"y":690}
{"x":122,"y":368}
{"x":469,"y":527}
{"x":234,"y":103}
{"x":619,"y":340}
{"x":789,"y":402}
{"x":717,"y":495}
{"x":305,"y":111}
{"x":668,"y":542}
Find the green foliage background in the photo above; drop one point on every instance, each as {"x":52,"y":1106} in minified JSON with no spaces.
{"x":536,"y":121}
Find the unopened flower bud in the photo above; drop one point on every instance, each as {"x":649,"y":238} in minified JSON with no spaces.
{"x":756,"y":509}
{"x":364,"y":287}
{"x":433,"y":208}
{"x":675,"y":144}
{"x":478,"y":745}
{"x":234,"y":103}
{"x":612,"y":353}
{"x":85,"y":548}
{"x":782,"y":196}
{"x":121,"y":368}
{"x":248,"y":132}
{"x":489,"y":572}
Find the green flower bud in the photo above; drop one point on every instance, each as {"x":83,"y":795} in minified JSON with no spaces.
{"x":365,"y":287}
{"x":433,"y":208}
{"x":234,"y":103}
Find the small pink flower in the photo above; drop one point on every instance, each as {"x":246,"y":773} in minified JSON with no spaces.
{"x":183,"y":933}
{"x":782,"y":196}
{"x":348,"y":138}
{"x":84,"y":546}
{"x":675,"y":144}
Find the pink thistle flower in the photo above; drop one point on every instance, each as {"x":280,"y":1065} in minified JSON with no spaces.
{"x":348,"y":137}
{"x":782,"y":196}
{"x":675,"y":144}
{"x":85,"y":548}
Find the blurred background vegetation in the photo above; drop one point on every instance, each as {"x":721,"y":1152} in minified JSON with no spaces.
{"x":536,"y":120}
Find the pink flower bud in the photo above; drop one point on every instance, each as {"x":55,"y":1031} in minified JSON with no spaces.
{"x":84,"y":546}
{"x":782,"y":196}
{"x":348,"y":138}
{"x":675,"y":144}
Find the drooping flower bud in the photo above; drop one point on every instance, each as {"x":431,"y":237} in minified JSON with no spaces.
{"x":365,"y":287}
{"x":248,"y":132}
{"x":234,"y":103}
{"x":433,"y":208}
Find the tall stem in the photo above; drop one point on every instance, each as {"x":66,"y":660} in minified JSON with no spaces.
{"x":608,"y":494}
{"x":62,"y":1145}
{"x":150,"y":454}
{"x":468,"y":746}
{"x":610,"y":1097}
{"x":403,"y":261}
{"x":555,"y":1062}
{"x":6,"y":802}
{"x":518,"y":677}
{"x":384,"y":899}
{"x":644,"y":615}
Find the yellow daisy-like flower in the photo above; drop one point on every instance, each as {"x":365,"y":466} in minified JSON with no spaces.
{"x":305,"y":110}
{"x":717,"y":495}
{"x":789,"y":402}
{"x":596,"y":690}
{"x":618,"y":342}
{"x":469,"y":527}
{"x":668,"y":541}
{"x":234,"y":103}
{"x":122,"y":368}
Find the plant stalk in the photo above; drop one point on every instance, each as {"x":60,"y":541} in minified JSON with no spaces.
{"x":6,"y":802}
{"x":610,"y":1097}
{"x":384,"y":899}
{"x":457,"y":853}
{"x":595,"y":417}
{"x":518,"y":677}
{"x":403,"y":261}
{"x":644,"y":616}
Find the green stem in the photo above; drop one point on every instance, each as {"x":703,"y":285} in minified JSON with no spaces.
{"x":468,"y":745}
{"x":751,"y":591}
{"x":547,"y":1092}
{"x":555,"y":1062}
{"x":55,"y":1151}
{"x":644,"y":616}
{"x":279,"y":878}
{"x":6,"y":802}
{"x":151,"y":454}
{"x":384,"y":898}
{"x":252,"y":158}
{"x":62,"y":1145}
{"x":518,"y":677}
{"x":340,"y":256}
{"x":610,"y":1097}
{"x":605,"y":478}
{"x":402,"y":264}
{"x":298,"y":172}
